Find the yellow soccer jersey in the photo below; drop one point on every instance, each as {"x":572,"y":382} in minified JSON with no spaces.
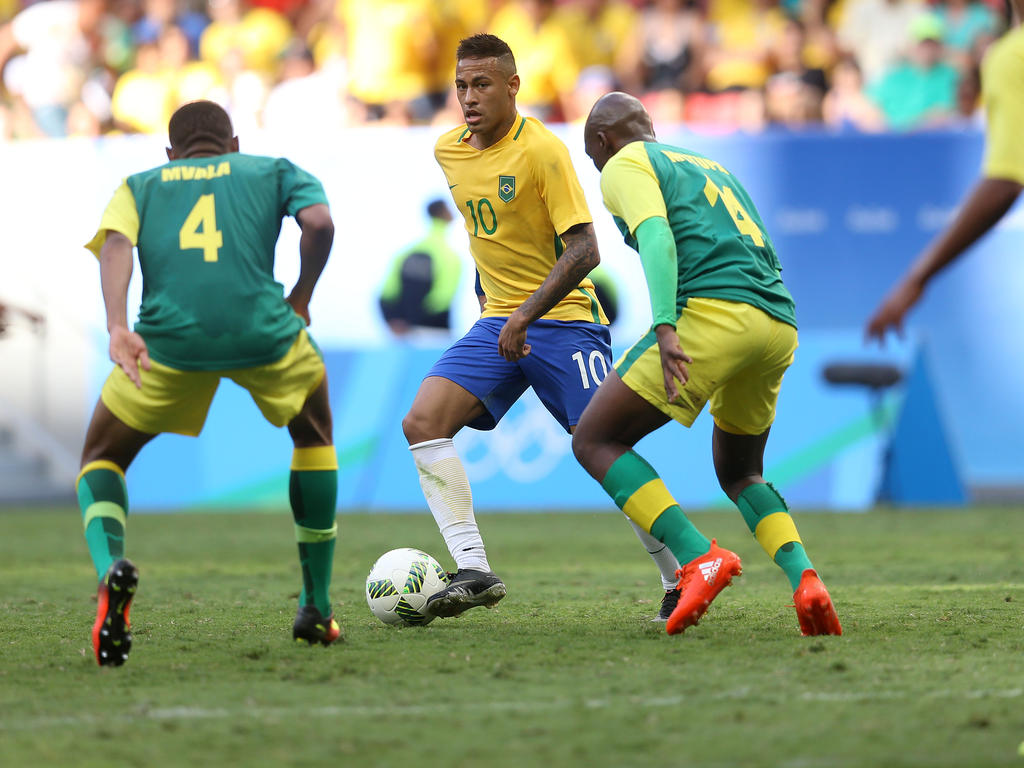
{"x":516,"y":197}
{"x":1002,"y":80}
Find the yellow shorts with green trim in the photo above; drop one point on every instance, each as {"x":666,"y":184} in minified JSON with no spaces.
{"x":177,"y":401}
{"x":740,"y":354}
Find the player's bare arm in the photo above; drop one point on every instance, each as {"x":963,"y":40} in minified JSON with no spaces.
{"x":314,"y":249}
{"x":576,"y":262}
{"x":127,"y":349}
{"x":985,"y":206}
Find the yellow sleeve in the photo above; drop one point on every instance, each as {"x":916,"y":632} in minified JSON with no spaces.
{"x":559,"y":187}
{"x":1003,"y":94}
{"x":630,"y":187}
{"x":121,"y":216}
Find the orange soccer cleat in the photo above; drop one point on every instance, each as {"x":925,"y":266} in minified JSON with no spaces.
{"x":311,"y":627}
{"x":111,"y":633}
{"x":700,"y":581}
{"x":814,"y":607}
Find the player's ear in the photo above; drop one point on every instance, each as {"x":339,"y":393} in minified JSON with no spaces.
{"x":233,"y":144}
{"x":513,"y":85}
{"x":171,"y":154}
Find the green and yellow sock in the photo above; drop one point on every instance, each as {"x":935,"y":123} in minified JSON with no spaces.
{"x":103,"y":499}
{"x":638,"y":491}
{"x":313,"y":491}
{"x":767,"y":517}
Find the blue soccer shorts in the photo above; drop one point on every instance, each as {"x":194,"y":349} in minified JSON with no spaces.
{"x":567,"y":362}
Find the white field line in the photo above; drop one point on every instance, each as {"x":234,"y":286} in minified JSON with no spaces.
{"x":291,"y":714}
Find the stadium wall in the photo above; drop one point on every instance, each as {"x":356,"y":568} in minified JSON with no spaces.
{"x":846,"y":212}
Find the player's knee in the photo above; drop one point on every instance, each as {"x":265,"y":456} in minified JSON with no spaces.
{"x":418,"y":427}
{"x":582,"y":448}
{"x":308,"y":430}
{"x":733,"y":482}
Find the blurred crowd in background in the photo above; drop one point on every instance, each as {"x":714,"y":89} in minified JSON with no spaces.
{"x":95,"y":67}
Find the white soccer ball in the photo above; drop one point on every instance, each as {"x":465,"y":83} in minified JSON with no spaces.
{"x":399,"y":584}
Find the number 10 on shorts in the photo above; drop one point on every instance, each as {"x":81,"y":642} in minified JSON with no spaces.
{"x":594,"y":362}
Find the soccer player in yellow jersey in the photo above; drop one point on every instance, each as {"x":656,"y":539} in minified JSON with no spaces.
{"x":533,"y":242}
{"x":1002,"y":73}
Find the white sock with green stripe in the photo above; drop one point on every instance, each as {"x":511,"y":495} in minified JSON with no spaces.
{"x":661,"y":555}
{"x":446,"y":488}
{"x":103,"y":500}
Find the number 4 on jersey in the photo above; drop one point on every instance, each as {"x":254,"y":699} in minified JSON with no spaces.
{"x":740,"y":217}
{"x":200,"y":229}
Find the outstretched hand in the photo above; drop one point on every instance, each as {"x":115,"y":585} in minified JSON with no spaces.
{"x":512,"y":339}
{"x":128,"y":350}
{"x":893,"y":309}
{"x":673,"y":360}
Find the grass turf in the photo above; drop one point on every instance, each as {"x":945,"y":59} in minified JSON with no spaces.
{"x":567,"y":671}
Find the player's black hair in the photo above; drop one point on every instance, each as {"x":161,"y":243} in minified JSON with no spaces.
{"x":436,"y":209}
{"x":199,"y":121}
{"x":484,"y":46}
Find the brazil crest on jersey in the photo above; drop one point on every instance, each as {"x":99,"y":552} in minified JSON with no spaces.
{"x":722,"y":247}
{"x":206,"y":229}
{"x":516,"y":197}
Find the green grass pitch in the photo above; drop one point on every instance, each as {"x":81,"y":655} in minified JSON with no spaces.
{"x":566,"y":671}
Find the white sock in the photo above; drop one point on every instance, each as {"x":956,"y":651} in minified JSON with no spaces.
{"x":446,"y":488}
{"x":661,"y":555}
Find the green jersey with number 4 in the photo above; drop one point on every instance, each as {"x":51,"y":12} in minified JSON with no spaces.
{"x":722,"y":248}
{"x":206,"y":230}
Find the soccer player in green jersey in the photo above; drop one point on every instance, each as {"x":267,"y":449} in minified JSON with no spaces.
{"x":1001,"y":180}
{"x":206,"y":226}
{"x":723,"y":330}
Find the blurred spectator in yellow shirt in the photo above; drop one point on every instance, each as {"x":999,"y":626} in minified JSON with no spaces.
{"x":599,"y":31}
{"x":392,"y":56}
{"x":258,"y":35}
{"x":743,"y":34}
{"x":543,"y":53}
{"x":454,"y":20}
{"x":143,"y":97}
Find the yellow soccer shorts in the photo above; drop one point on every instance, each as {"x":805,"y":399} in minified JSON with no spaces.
{"x":177,"y":401}
{"x":740,"y":354}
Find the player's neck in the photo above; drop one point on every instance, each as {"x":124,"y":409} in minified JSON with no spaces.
{"x":489,"y":139}
{"x":203,"y":150}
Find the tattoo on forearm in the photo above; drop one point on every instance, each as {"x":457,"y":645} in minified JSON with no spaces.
{"x":576,"y":262}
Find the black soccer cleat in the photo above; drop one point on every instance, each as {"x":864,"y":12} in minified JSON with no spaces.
{"x":466,"y":589}
{"x":111,"y":633}
{"x":668,"y":604}
{"x":311,"y":627}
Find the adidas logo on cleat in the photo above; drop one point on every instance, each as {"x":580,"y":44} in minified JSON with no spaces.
{"x":709,"y":570}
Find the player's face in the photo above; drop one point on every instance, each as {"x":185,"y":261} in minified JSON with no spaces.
{"x":486,"y":94}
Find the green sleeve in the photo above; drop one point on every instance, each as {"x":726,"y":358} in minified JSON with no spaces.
{"x":298,"y":188}
{"x":657,"y":248}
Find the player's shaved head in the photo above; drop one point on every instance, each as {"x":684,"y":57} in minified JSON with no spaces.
{"x":485,"y":46}
{"x":200,"y":123}
{"x":616,"y":119}
{"x":621,"y":114}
